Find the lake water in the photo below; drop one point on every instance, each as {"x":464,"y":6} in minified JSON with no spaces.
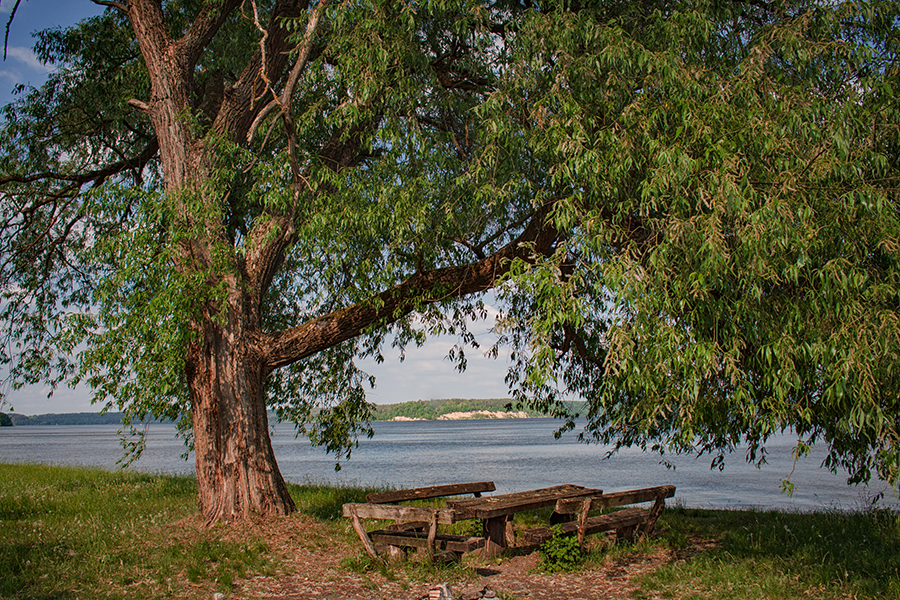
{"x":517,"y":454}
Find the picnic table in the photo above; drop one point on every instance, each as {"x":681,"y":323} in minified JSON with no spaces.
{"x":417,"y":526}
{"x":496,"y":512}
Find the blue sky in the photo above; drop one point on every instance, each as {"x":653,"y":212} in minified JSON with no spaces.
{"x":21,"y":66}
{"x":425,"y":374}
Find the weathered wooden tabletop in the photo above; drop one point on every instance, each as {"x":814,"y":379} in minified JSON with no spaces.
{"x":490,"y":507}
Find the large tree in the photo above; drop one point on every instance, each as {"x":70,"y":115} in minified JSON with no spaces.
{"x":212,"y":208}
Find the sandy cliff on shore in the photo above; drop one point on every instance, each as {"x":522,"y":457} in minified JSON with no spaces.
{"x":472,"y":414}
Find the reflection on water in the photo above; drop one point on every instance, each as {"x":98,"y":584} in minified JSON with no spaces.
{"x":515,"y":454}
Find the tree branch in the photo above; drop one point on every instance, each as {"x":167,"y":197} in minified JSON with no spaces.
{"x":239,"y":109}
{"x":292,"y":345}
{"x":267,"y":243}
{"x":12,"y":15}
{"x":205,"y":27}
{"x":284,"y":100}
{"x":581,"y":349}
{"x":140,"y":105}
{"x":97,"y":175}
{"x":269,"y":238}
{"x":288,"y":93}
{"x":117,"y":5}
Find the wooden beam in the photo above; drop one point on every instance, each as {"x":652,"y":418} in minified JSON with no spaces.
{"x":495,"y":535}
{"x":389,"y":512}
{"x":413,"y":539}
{"x":435,"y":491}
{"x":432,"y":533}
{"x":654,"y":514}
{"x":497,"y":506}
{"x":614,"y":499}
{"x":360,"y":531}
{"x":582,"y":521}
{"x":408,"y":526}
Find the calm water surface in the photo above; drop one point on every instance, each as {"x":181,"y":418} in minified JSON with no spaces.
{"x":516,"y":454}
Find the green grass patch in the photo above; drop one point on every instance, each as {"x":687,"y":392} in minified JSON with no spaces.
{"x":774,"y":554}
{"x":88,"y":533}
{"x":83,"y":533}
{"x":325,"y":501}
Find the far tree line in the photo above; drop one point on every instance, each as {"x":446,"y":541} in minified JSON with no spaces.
{"x":414,"y":409}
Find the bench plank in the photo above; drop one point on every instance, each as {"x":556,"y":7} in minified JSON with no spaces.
{"x":630,"y":517}
{"x":499,"y":506}
{"x":413,"y":539}
{"x":445,"y":516}
{"x":614,"y":499}
{"x":435,"y":491}
{"x":408,"y":526}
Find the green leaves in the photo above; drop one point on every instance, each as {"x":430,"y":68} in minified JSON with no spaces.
{"x":560,"y":552}
{"x":729,"y":226}
{"x":720,"y":179}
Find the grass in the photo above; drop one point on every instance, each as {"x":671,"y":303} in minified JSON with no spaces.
{"x":86,"y":533}
{"x":749,"y":554}
{"x":68,"y":533}
{"x":774,"y":554}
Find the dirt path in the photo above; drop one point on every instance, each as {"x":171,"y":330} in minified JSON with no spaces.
{"x":311,"y":569}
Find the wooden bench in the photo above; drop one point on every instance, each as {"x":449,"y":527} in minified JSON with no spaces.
{"x":623,"y":522}
{"x":435,"y":491}
{"x":415,"y":526}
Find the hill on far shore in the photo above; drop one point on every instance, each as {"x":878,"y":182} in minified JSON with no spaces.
{"x":109,"y":418}
{"x":455,"y":409}
{"x":426,"y":410}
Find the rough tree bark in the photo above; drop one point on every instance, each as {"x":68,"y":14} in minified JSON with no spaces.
{"x":237,"y":473}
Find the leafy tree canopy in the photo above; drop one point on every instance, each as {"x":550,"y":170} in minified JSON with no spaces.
{"x":689,"y":209}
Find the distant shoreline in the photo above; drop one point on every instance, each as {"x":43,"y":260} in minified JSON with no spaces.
{"x":453,"y":409}
{"x":68,"y":419}
{"x":109,"y":418}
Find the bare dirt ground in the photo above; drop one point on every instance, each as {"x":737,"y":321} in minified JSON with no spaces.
{"x":310,"y":557}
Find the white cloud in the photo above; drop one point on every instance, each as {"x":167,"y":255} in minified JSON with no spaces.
{"x":28,"y":58}
{"x":6,"y":6}
{"x":10,"y":75}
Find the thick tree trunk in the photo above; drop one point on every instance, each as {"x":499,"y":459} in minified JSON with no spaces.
{"x":237,"y":474}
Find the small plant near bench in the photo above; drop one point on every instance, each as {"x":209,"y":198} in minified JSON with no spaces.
{"x":561,"y":552}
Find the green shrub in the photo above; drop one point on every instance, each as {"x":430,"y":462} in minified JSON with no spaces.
{"x":560,"y":552}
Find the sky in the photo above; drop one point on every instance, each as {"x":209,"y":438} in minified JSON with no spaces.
{"x":425,"y":373}
{"x":21,"y":66}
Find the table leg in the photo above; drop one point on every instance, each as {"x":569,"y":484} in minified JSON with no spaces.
{"x":556,"y":517}
{"x":497,"y":535}
{"x":510,"y":532}
{"x":361,"y":532}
